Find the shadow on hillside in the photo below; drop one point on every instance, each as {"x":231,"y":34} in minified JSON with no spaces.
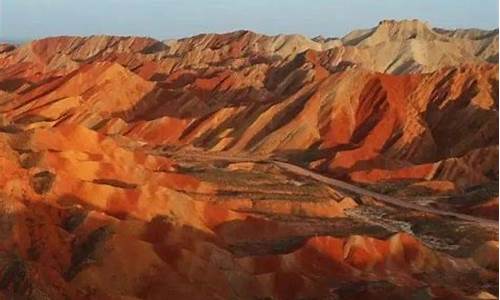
{"x":181,"y":98}
{"x":44,"y":247}
{"x":11,"y":85}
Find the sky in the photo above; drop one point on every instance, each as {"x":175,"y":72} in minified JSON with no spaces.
{"x":162,"y":19}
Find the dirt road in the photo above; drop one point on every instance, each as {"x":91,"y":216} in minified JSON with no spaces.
{"x":342,"y":185}
{"x":380,"y":197}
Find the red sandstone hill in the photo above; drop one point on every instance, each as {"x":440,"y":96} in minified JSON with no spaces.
{"x":355,"y":123}
{"x":128,"y":169}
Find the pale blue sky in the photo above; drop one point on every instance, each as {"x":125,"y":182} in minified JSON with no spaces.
{"x":22,"y":19}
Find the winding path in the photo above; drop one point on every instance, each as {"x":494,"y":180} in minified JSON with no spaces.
{"x":380,"y":197}
{"x":292,"y":168}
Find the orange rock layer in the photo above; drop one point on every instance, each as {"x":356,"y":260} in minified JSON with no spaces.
{"x":98,"y":203}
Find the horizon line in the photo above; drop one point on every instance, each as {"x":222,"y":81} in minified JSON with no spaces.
{"x":8,"y":39}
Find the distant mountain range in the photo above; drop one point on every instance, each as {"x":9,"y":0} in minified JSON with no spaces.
{"x":134,"y":168}
{"x":407,"y":46}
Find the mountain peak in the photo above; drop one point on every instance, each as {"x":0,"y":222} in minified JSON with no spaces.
{"x":403,"y":22}
{"x":400,"y":30}
{"x":406,"y":29}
